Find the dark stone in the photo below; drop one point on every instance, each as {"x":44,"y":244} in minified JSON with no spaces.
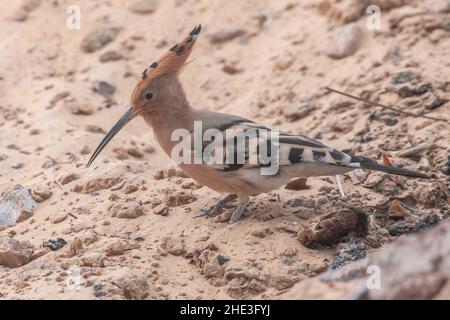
{"x":427,"y":222}
{"x":405,"y":91}
{"x":403,"y":77}
{"x":437,"y":103}
{"x":222,"y":260}
{"x":351,"y":252}
{"x":423,"y":88}
{"x":391,"y":122}
{"x":104,"y":88}
{"x":54,"y":244}
{"x":98,"y":290}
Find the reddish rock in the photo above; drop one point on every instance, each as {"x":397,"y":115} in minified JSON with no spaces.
{"x":329,"y":229}
{"x":14,"y":253}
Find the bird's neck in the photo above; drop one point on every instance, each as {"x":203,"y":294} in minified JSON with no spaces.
{"x":167,"y":119}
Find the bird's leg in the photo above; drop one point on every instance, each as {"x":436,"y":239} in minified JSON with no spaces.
{"x":219,"y":205}
{"x":238,"y":212}
{"x":240,"y":209}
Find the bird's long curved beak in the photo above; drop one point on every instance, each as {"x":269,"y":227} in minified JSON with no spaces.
{"x":123,"y":120}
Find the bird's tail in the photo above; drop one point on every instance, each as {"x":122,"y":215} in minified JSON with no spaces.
{"x":365,"y":163}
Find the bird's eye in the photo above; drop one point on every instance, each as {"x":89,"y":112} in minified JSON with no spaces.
{"x":148,"y":95}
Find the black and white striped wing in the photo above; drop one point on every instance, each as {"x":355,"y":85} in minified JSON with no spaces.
{"x":262,"y":143}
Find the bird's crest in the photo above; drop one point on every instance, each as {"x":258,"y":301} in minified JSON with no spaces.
{"x":173,"y":60}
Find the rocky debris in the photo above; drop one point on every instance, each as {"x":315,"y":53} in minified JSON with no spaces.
{"x":161,"y":209}
{"x":261,"y":232}
{"x":209,"y":266}
{"x":350,"y":252}
{"x":230,"y":69}
{"x":243,"y":281}
{"x":17,"y":165}
{"x":169,"y":173}
{"x":351,"y":10}
{"x":116,"y":248}
{"x":222,"y":259}
{"x":14,"y":253}
{"x":130,"y":188}
{"x":284,"y":61}
{"x":75,"y":247}
{"x":403,"y":77}
{"x":16,"y":205}
{"x":127,"y":210}
{"x":435,"y":102}
{"x":133,"y":284}
{"x":173,"y":246}
{"x":135,"y":152}
{"x":20,"y":15}
{"x":398,"y":210}
{"x":346,"y":42}
{"x":59,"y":218}
{"x":225,"y":35}
{"x":403,"y":276}
{"x":54,"y":244}
{"x":120,"y":153}
{"x":343,"y":12}
{"x":68,"y":178}
{"x":92,"y":259}
{"x":143,"y":6}
{"x":303,"y":207}
{"x":430,"y":196}
{"x":415,"y":150}
{"x":104,"y":88}
{"x":297,"y":184}
{"x":49,"y":163}
{"x":85,"y":150}
{"x":282,"y":281}
{"x":39,"y":253}
{"x":92,"y":128}
{"x":26,"y":7}
{"x":111,"y":55}
{"x":384,"y":183}
{"x":178,"y":198}
{"x":406,"y":226}
{"x":99,"y":36}
{"x":97,"y":184}
{"x":80,"y":108}
{"x":29,"y":5}
{"x":41,"y":193}
{"x":446,"y":167}
{"x":329,"y":229}
{"x":58,"y":97}
{"x":294,"y":111}
{"x":300,"y":202}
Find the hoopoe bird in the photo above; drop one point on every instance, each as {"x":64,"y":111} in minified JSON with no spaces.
{"x":160,"y":99}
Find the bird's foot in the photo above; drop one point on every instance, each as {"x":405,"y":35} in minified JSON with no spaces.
{"x":238,"y":212}
{"x":218,"y":206}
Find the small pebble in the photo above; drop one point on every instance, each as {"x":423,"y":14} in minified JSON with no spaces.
{"x":111,"y":56}
{"x":104,"y":88}
{"x":143,"y":6}
{"x":17,"y":165}
{"x":446,"y":168}
{"x":403,"y":77}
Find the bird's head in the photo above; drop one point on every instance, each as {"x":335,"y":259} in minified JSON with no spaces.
{"x":158,"y":87}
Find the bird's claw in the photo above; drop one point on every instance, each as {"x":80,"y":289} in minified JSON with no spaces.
{"x":217,"y":207}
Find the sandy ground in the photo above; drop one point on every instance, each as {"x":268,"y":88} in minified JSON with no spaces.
{"x":274,"y":71}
